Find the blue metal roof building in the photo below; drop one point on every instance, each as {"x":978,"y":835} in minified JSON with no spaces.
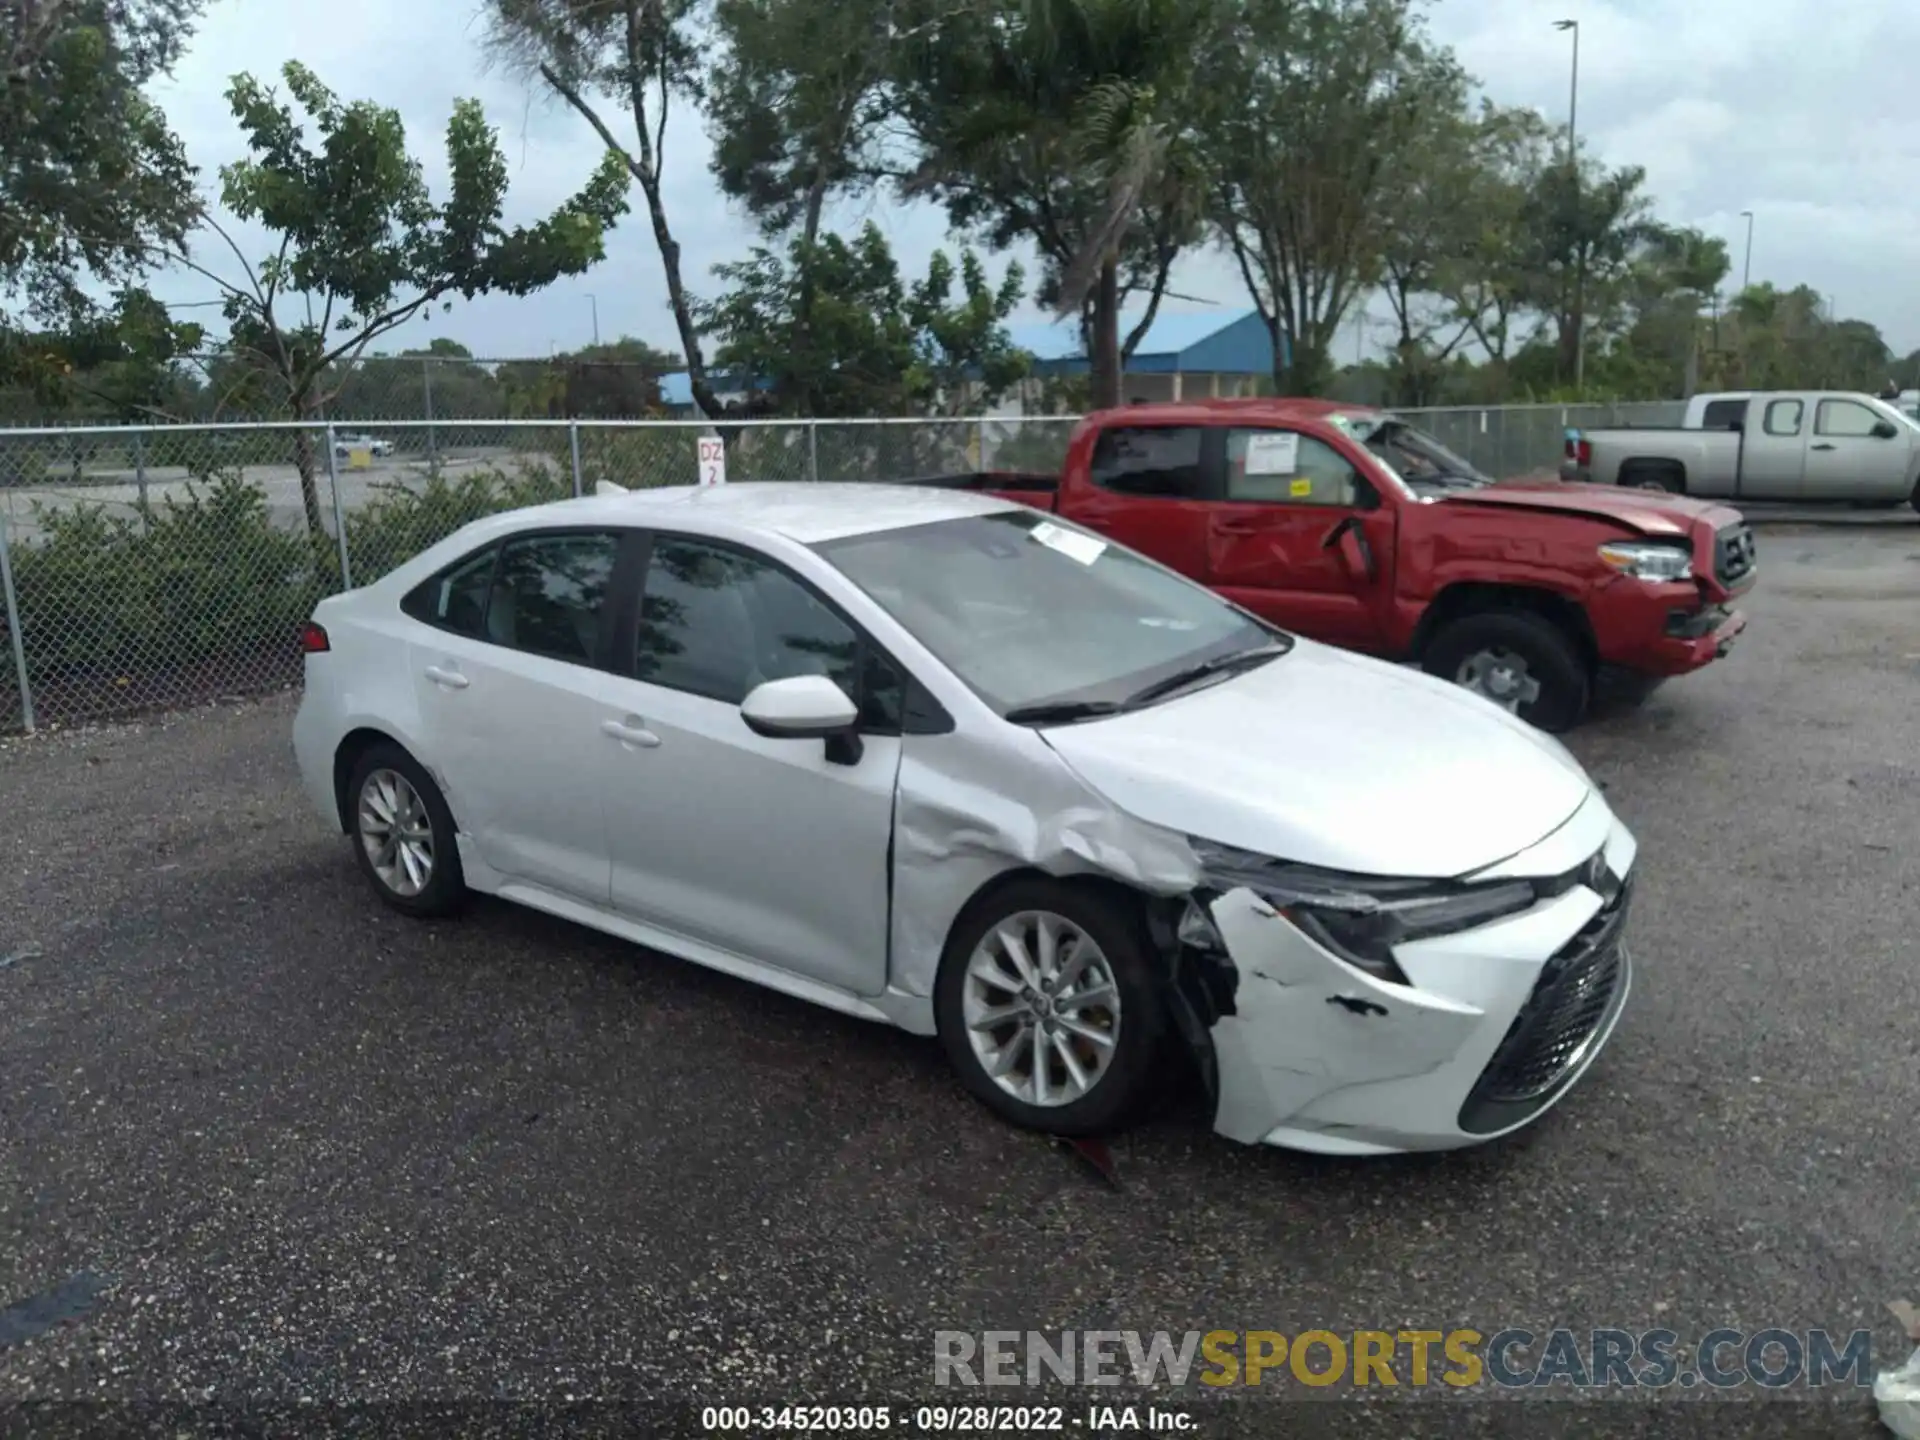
{"x":1188,"y":354}
{"x":1185,"y":355}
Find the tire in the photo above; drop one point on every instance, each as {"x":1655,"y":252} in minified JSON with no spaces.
{"x":1139,"y":1022}
{"x":1482,"y":644}
{"x":1914,"y":499}
{"x":383,"y":776}
{"x":1669,"y":479}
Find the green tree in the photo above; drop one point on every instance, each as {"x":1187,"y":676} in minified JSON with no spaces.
{"x":1066,"y":123}
{"x":799,"y":103}
{"x":94,"y":181}
{"x":639,"y":55}
{"x":870,"y":344}
{"x":1580,"y":235}
{"x":1430,"y":219}
{"x":360,"y":237}
{"x":1321,"y":101}
{"x":1489,"y":290}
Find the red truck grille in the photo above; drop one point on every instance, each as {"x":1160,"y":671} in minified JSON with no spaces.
{"x":1734,"y":556}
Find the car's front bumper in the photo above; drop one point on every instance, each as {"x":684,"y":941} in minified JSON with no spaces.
{"x":1498,"y":1024}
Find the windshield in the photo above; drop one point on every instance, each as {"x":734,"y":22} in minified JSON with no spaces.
{"x":1413,"y":455}
{"x":1031,"y":613}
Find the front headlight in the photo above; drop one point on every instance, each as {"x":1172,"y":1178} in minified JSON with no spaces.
{"x":1648,"y":559}
{"x":1361,"y":918}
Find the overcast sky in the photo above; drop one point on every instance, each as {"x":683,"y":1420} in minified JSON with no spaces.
{"x":1802,"y":111}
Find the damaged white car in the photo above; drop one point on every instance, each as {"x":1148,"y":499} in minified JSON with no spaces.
{"x":939,"y":760}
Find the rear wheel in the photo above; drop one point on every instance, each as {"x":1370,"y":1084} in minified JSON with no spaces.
{"x":403,"y":833}
{"x":1521,"y":661}
{"x":1668,"y":478}
{"x":1049,"y":1007}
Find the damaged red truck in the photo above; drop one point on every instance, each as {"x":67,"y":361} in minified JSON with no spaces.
{"x":1350,"y":526}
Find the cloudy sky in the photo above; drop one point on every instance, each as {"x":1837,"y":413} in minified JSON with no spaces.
{"x":1802,"y":111}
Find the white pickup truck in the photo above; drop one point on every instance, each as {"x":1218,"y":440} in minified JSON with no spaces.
{"x":1792,"y":445}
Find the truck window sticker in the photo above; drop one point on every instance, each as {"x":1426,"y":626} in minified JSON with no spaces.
{"x":1273,"y":452}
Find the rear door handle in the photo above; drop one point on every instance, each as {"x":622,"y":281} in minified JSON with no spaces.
{"x":447,"y":679}
{"x":631,"y":731}
{"x":1823,"y":447}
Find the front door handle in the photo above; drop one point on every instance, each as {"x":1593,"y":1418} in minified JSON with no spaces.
{"x":1237,"y":527}
{"x":631,"y":731}
{"x":447,"y":679}
{"x":1823,"y":447}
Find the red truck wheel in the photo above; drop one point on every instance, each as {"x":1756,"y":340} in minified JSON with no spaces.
{"x":1521,"y":661}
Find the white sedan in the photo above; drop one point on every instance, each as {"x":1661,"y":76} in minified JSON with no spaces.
{"x":939,"y":760}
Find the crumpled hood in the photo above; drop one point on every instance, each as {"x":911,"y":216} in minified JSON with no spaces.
{"x":1332,"y":759}
{"x":1650,"y":512}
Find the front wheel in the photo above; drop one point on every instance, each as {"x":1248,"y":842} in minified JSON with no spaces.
{"x":1049,"y":1006}
{"x":403,"y":833}
{"x":1521,"y":661}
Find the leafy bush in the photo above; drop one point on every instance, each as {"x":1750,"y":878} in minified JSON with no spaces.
{"x":403,"y":520}
{"x":184,"y":581}
{"x":212,"y":578}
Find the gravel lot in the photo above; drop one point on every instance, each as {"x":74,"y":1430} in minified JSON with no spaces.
{"x":316,"y":1152}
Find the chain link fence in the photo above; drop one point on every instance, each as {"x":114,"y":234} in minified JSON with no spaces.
{"x":144,"y":568}
{"x":1511,"y":440}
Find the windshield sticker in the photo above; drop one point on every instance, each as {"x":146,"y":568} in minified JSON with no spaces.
{"x":1069,"y":543}
{"x":1273,"y":452}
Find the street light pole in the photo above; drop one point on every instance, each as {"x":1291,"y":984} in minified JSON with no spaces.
{"x":1573,"y":172}
{"x":596,"y":320}
{"x":1746,"y":269}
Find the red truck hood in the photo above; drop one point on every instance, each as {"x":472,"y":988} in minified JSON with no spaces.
{"x":1650,"y":512}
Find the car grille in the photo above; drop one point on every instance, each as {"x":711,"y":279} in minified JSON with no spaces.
{"x":1552,"y":1032}
{"x":1734,"y":555}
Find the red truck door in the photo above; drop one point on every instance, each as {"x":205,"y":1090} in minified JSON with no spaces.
{"x":1301,"y":537}
{"x":1149,"y":492}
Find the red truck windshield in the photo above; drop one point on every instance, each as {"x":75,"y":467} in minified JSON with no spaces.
{"x":1415,"y":456}
{"x":1032,"y":613}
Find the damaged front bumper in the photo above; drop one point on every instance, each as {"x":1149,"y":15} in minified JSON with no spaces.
{"x":1496,"y":1023}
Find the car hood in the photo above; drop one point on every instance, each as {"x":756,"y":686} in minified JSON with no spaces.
{"x":1331,"y":759}
{"x":1650,"y":512}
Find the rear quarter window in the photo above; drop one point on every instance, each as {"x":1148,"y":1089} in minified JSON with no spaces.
{"x":456,"y":598}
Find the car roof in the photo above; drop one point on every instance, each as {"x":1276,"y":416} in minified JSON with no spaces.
{"x":802,"y":511}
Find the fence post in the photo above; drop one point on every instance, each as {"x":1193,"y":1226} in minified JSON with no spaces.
{"x":13,"y":627}
{"x":433,"y":445}
{"x":339,"y":520}
{"x":573,"y":447}
{"x":140,"y":475}
{"x":813,"y":451}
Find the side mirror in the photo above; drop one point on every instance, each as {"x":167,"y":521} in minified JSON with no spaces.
{"x":801,"y":707}
{"x":1885,"y":430}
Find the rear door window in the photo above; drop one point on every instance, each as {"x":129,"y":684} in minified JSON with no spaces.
{"x":549,"y":595}
{"x":1156,"y":460}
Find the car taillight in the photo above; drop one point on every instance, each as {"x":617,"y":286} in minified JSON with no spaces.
{"x":313,"y":639}
{"x":1583,"y":453}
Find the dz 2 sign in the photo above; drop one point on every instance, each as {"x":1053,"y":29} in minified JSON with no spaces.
{"x":713,"y":460}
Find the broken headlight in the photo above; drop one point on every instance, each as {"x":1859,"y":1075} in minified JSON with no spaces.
{"x":1361,"y":918}
{"x":1648,"y":559}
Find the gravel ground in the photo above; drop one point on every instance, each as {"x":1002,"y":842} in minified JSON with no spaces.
{"x":263,"y":1142}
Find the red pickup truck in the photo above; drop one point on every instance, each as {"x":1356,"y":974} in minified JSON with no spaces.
{"x":1347,"y":525}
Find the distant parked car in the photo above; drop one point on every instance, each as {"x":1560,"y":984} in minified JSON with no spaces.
{"x":347,"y":444}
{"x":948,"y":762}
{"x":1793,"y":445}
